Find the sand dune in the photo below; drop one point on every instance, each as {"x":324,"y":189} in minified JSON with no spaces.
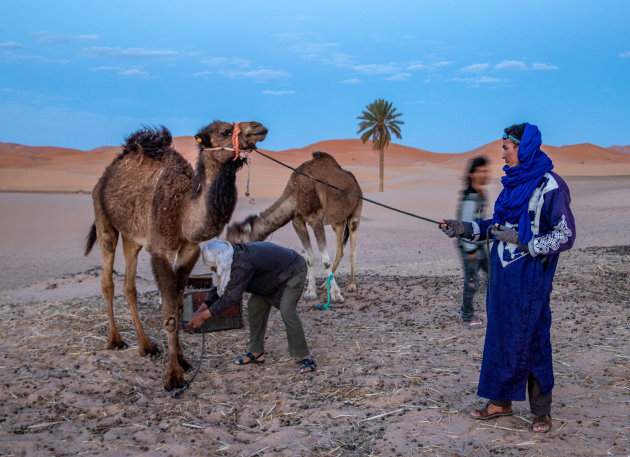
{"x":53,"y":169}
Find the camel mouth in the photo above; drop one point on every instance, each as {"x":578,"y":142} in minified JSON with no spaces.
{"x":251,"y":138}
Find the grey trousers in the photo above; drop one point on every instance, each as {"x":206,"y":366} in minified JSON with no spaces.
{"x":258,"y":309}
{"x":538,"y":403}
{"x":471,"y":280}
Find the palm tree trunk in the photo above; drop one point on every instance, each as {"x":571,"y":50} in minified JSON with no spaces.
{"x":381,"y":170}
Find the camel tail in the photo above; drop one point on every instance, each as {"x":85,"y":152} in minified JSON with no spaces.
{"x":90,"y":239}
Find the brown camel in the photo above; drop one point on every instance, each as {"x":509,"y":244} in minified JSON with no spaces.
{"x":305,"y":201}
{"x":151,"y":196}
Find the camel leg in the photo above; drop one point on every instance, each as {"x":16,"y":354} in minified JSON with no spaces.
{"x":131,"y":250}
{"x":353,"y":225}
{"x":108,"y":240}
{"x":320,"y":236}
{"x":186,"y":259}
{"x":338,"y":227}
{"x":300,"y":228}
{"x":167,"y":284}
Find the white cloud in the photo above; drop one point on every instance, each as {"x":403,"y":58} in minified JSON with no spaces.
{"x":31,"y":58}
{"x":11,"y":45}
{"x":125,"y":53}
{"x":479,"y":80}
{"x":418,"y":66}
{"x":202,"y":73}
{"x":314,"y":48}
{"x":125,"y":72}
{"x":442,"y":63}
{"x":261,"y":75}
{"x":625,"y":55}
{"x":376,"y":69}
{"x":476,"y":68}
{"x":512,"y":65}
{"x":278,"y":92}
{"x":58,"y":38}
{"x":543,"y":66}
{"x":351,"y":81}
{"x":400,"y":77}
{"x":226,"y":62}
{"x":134,"y":73}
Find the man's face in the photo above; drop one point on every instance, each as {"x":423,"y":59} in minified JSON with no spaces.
{"x":510,"y":153}
{"x":479,"y":177}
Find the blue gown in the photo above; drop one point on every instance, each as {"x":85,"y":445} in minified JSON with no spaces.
{"x":519,"y":316}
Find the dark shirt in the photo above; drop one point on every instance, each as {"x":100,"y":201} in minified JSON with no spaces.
{"x":260,"y":268}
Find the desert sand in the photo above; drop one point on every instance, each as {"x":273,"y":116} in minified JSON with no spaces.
{"x":396,"y":374}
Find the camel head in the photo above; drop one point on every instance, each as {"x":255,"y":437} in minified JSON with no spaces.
{"x":241,"y":232}
{"x":219,"y":135}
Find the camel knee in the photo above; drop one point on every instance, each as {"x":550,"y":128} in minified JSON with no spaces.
{"x":170,"y":324}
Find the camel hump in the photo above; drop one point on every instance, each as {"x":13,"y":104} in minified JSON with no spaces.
{"x":322,"y":155}
{"x":151,"y":141}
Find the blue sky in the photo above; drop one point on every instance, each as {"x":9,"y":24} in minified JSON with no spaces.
{"x":86,"y":73}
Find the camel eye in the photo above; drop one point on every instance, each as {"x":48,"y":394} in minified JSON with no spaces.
{"x":226,"y":133}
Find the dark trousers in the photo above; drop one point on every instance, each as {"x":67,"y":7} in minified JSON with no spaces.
{"x":258,"y":309}
{"x":471,"y":280}
{"x":538,"y":403}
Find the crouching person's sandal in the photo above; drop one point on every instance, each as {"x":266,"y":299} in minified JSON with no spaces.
{"x":306,"y":365}
{"x":484,"y":414}
{"x":251,"y":358}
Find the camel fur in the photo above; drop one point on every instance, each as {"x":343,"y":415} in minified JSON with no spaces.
{"x":151,"y":196}
{"x":306,"y":201}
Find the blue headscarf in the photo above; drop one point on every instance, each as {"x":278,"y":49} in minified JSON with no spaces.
{"x":520,"y":181}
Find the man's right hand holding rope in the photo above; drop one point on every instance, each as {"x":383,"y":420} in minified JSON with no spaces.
{"x":459,"y":229}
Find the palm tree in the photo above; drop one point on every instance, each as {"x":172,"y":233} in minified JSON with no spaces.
{"x":378,"y":122}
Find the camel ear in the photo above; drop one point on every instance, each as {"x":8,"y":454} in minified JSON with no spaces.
{"x":247,"y":228}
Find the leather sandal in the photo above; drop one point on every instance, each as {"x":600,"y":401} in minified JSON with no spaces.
{"x":544,"y":421}
{"x":484,"y":415}
{"x":252,"y":359}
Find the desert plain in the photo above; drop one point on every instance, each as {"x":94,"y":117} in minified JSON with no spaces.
{"x":397,"y":374}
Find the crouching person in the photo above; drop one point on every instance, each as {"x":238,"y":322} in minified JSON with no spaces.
{"x":274,"y":276}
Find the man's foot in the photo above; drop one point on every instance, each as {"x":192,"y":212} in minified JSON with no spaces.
{"x":541,"y":424}
{"x":490,"y":411}
{"x":250,"y":357}
{"x":472,"y":323}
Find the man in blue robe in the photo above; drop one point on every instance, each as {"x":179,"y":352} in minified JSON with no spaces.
{"x":531,"y":225}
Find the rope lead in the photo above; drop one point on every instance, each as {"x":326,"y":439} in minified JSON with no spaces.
{"x":326,"y":306}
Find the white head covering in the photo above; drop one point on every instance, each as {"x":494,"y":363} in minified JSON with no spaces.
{"x":218,"y":253}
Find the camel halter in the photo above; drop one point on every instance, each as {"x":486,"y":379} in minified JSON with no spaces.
{"x":238,"y":154}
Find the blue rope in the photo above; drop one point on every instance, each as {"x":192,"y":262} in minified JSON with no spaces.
{"x":327,"y":306}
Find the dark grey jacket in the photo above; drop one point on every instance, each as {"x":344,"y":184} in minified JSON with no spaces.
{"x":260,"y":268}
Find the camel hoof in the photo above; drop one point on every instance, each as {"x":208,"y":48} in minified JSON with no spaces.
{"x":336,"y":297}
{"x":310,"y":295}
{"x":352,"y":287}
{"x":148,"y":349}
{"x":174,"y":380}
{"x":120,"y":344}
{"x":185,"y":365}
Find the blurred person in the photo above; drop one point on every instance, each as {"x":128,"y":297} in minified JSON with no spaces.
{"x":472,"y":207}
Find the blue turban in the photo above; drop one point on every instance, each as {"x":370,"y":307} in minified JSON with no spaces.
{"x":520,"y":181}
